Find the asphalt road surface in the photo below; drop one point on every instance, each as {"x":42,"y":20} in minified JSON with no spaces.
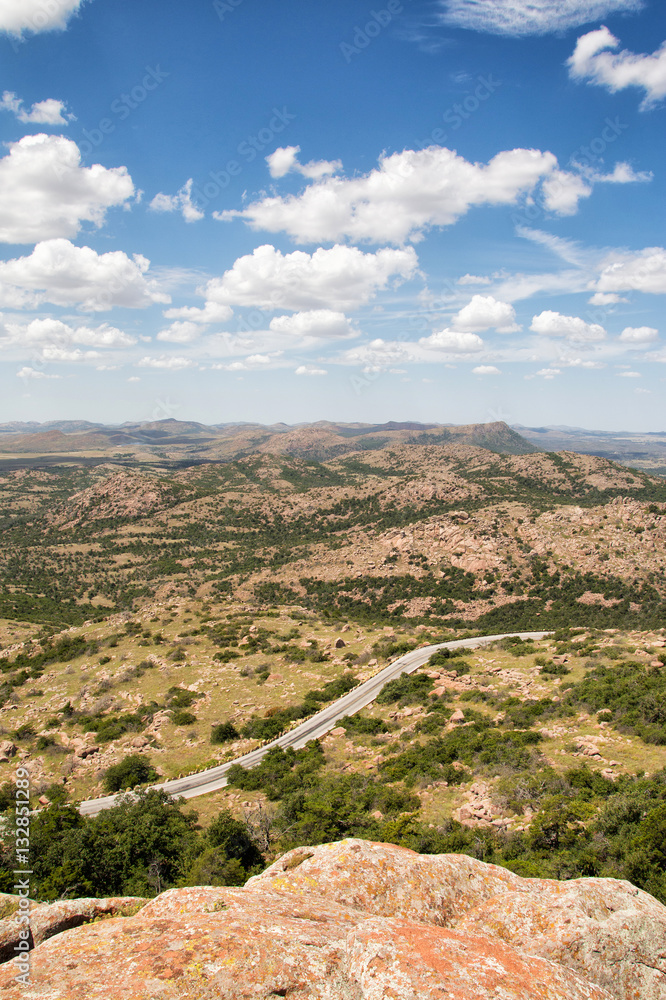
{"x":313,"y":728}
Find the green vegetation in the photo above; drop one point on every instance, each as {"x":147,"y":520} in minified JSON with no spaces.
{"x":256,"y":532}
{"x":408,"y":689}
{"x":142,"y":846}
{"x":129,"y":772}
{"x":631,"y":695}
{"x":277,"y":720}
{"x":480,"y":745}
{"x":365,"y":725}
{"x":224,"y":732}
{"x":585,"y":825}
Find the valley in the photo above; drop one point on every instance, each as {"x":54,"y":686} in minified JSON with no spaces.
{"x":158,"y":622}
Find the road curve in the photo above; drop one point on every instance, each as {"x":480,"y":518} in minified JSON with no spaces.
{"x":313,"y":728}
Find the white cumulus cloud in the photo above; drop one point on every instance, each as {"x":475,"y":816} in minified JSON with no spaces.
{"x":325,"y":323}
{"x":48,"y":112}
{"x":19,"y":16}
{"x":640,"y":271}
{"x":46,"y":193}
{"x":562,"y":191}
{"x":51,"y":352}
{"x":57,"y":271}
{"x":169,"y":362}
{"x":310,"y":370}
{"x":180,"y":332}
{"x":180,"y":202}
{"x":453,"y":342}
{"x":554,"y":324}
{"x":284,"y":160}
{"x":595,"y":60}
{"x":340,"y":278}
{"x":55,"y":341}
{"x":405,"y":195}
{"x":474,"y":279}
{"x":212,"y":312}
{"x":486,"y":370}
{"x":33,"y":373}
{"x":639,"y":335}
{"x":605,"y":299}
{"x":484,"y":312}
{"x":530,"y":17}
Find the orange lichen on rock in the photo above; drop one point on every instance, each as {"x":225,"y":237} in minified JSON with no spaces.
{"x":357,"y":920}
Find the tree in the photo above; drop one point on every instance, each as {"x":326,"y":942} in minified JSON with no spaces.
{"x":133,"y":770}
{"x":213,"y":867}
{"x":232,"y":836}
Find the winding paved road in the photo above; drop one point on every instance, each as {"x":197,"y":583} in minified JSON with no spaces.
{"x":313,"y":728}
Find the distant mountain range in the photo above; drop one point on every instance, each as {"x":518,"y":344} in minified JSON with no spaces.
{"x":25,"y":443}
{"x":177,"y":440}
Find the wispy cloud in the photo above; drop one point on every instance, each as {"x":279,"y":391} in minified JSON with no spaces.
{"x":530,"y":17}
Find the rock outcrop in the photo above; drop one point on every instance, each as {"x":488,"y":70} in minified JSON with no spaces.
{"x":362,"y":921}
{"x":50,"y":919}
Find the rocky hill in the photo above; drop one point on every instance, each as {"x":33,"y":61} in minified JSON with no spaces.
{"x":156,"y":621}
{"x":409,"y":521}
{"x":356,"y":920}
{"x":179,"y":440}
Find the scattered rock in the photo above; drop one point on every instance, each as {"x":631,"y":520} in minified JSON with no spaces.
{"x":458,"y":716}
{"x":7,"y":750}
{"x":340,"y":643}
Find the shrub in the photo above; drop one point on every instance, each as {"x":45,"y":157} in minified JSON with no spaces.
{"x":7,"y":796}
{"x":364,"y":724}
{"x":442,"y":656}
{"x":25,"y":732}
{"x":224,"y":732}
{"x":554,"y":669}
{"x":408,"y":689}
{"x":182,"y":718}
{"x":178,"y":697}
{"x":44,"y":742}
{"x":133,"y":770}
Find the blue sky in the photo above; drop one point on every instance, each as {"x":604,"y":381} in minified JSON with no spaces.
{"x":439,"y":210}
